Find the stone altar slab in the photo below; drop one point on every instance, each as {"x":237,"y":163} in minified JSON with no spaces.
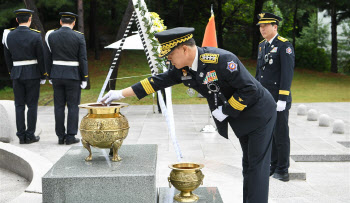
{"x":205,"y":194}
{"x":131,"y":180}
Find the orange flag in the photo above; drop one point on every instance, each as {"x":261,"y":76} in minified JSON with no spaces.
{"x":209,"y":39}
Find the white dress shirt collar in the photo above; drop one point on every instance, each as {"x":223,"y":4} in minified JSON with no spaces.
{"x":195,"y":62}
{"x":273,"y":38}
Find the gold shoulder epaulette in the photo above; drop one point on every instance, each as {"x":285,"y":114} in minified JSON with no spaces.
{"x":262,"y":41}
{"x":35,"y":30}
{"x":78,"y":32}
{"x":12,"y":28}
{"x":209,"y":58}
{"x":282,"y":39}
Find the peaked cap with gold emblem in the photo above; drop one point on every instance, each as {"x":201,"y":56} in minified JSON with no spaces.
{"x":69,"y":15}
{"x":265,"y":18}
{"x":23,"y":12}
{"x":170,"y":39}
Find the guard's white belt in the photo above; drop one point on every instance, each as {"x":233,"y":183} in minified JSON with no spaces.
{"x":66,"y":63}
{"x":26,"y":62}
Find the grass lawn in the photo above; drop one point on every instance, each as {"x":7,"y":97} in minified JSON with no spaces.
{"x":307,"y":86}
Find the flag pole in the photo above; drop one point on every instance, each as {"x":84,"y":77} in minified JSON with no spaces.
{"x":209,"y":128}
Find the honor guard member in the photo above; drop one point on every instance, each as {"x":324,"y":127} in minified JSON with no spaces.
{"x":24,"y":56}
{"x":68,"y":72}
{"x":275,"y":66}
{"x":233,"y":95}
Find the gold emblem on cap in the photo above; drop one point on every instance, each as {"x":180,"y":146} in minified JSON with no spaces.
{"x":262,"y":15}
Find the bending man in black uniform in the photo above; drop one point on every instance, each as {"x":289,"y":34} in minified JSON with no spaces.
{"x":24,"y":55}
{"x":233,"y":95}
{"x":68,"y":73}
{"x":275,"y":66}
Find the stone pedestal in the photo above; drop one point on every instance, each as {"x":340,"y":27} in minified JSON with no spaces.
{"x":205,"y":194}
{"x":8,"y":122}
{"x":131,"y":180}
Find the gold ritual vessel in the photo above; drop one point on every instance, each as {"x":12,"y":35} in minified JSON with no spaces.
{"x":186,"y":177}
{"x":104,"y":127}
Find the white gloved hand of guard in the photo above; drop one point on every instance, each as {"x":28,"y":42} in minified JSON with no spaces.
{"x":111,"y":96}
{"x":50,"y":81}
{"x":83,"y":84}
{"x":42,"y":81}
{"x":217,"y":113}
{"x":281,"y":105}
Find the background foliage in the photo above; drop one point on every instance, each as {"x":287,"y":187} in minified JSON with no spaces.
{"x":235,"y":18}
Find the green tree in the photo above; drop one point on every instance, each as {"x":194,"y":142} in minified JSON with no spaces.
{"x":316,"y":34}
{"x":237,"y":26}
{"x":258,"y":6}
{"x":6,"y":12}
{"x":311,"y":46}
{"x":344,"y":48}
{"x":338,"y":10}
{"x":294,"y":14}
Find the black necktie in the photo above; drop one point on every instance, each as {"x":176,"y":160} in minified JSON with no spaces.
{"x":267,"y":44}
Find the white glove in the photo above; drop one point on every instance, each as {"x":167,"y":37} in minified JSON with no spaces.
{"x":83,"y":84}
{"x":217,"y":113}
{"x":111,"y":96}
{"x":50,"y":81}
{"x":42,"y":81}
{"x":281,"y":105}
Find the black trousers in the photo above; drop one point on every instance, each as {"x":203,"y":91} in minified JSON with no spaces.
{"x":66,"y":92}
{"x":26,"y":93}
{"x":256,"y":147}
{"x":281,"y":142}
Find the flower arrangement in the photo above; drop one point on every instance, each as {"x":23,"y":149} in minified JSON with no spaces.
{"x":158,"y":23}
{"x":153,"y":24}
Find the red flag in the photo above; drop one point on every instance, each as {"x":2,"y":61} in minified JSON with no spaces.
{"x":209,"y":39}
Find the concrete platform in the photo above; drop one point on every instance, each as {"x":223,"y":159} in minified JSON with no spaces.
{"x":131,"y":180}
{"x":325,"y":181}
{"x":26,"y":164}
{"x":205,"y":194}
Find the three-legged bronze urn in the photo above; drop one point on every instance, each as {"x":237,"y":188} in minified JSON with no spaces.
{"x":186,"y":177}
{"x":104,"y":127}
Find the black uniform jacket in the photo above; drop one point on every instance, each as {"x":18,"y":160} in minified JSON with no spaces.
{"x":66,"y":46}
{"x":275,"y":72}
{"x":247,"y":104}
{"x":24,"y":44}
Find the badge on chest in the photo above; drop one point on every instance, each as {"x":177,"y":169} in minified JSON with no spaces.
{"x":210,"y":77}
{"x":185,"y":75}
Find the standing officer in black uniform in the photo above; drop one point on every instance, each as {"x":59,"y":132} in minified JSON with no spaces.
{"x":274,"y":70}
{"x":233,"y":95}
{"x":24,"y":55}
{"x":68,"y":71}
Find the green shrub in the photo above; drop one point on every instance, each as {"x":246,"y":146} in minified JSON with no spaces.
{"x":312,"y":57}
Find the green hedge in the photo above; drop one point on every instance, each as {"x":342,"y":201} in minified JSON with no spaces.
{"x":312,"y":57}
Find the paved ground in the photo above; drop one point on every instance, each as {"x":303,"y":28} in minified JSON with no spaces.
{"x":11,"y":185}
{"x":325,"y":181}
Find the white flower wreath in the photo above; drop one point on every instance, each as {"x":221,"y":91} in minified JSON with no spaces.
{"x":153,"y":24}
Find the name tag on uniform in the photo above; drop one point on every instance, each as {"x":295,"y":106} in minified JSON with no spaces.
{"x":187,"y":77}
